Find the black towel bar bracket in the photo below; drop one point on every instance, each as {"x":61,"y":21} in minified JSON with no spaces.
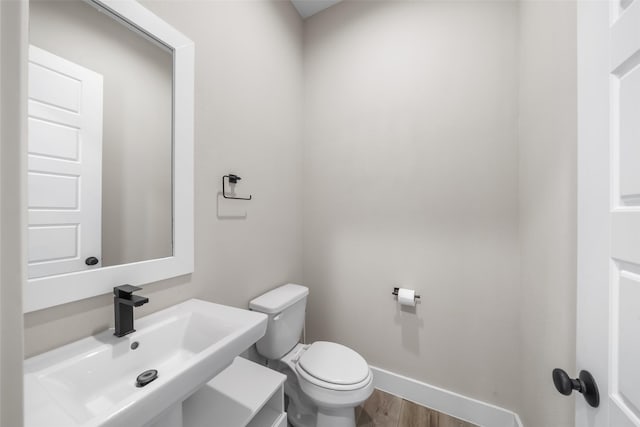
{"x":233,"y":179}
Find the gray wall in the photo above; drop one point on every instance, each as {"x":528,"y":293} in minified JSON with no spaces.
{"x":547,"y":179}
{"x":247,"y":121}
{"x":440,"y":155}
{"x":411,"y":179}
{"x":136,"y":145}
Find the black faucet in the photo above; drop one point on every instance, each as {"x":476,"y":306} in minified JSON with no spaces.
{"x":123,"y":303}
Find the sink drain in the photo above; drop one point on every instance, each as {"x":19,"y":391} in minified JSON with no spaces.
{"x":146,"y":377}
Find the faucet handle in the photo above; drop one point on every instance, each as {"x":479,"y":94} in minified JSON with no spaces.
{"x":124,"y":291}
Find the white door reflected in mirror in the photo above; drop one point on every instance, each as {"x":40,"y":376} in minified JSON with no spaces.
{"x":64,"y":165}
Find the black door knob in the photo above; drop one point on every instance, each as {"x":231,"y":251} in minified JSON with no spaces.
{"x":585,"y":384}
{"x":91,"y":260}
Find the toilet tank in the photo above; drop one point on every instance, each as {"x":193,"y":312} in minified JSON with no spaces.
{"x":285,"y":307}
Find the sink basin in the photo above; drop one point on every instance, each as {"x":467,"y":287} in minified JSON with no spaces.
{"x":92,"y":382}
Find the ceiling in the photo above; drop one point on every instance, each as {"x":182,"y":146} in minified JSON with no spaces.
{"x":306,"y":8}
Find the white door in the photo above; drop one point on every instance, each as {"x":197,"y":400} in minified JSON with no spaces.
{"x":608,"y":327}
{"x":64,"y":165}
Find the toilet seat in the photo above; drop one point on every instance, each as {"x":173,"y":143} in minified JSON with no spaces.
{"x":333,"y":366}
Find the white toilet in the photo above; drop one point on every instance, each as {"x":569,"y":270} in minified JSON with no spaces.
{"x":325,"y":380}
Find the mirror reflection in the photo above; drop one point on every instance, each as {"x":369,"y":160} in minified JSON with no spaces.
{"x":100,"y":141}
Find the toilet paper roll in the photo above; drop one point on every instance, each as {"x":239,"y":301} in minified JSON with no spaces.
{"x":407,"y":297}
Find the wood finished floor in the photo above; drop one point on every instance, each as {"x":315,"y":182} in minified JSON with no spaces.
{"x":386,"y":410}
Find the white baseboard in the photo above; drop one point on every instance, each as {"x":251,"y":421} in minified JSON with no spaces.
{"x":447,"y":402}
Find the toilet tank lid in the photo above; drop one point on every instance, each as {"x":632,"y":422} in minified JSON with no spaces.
{"x":279,"y":298}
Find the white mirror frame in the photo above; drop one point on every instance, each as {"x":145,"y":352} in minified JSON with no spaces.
{"x":46,"y":292}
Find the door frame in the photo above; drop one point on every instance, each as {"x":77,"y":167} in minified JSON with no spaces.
{"x":14,"y":16}
{"x":594,"y":201}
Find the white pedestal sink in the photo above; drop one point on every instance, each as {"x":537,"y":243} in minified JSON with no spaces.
{"x":92,"y":382}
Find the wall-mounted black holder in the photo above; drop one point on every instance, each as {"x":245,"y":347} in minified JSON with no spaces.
{"x":233,"y":179}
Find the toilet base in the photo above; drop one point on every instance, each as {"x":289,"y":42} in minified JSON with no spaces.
{"x":325,"y":417}
{"x":298,"y":418}
{"x":336,"y":417}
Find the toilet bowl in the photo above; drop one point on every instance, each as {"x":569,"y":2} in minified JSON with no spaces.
{"x":325,"y":380}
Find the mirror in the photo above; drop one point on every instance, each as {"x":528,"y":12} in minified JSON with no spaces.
{"x":99,"y":187}
{"x":110,"y":143}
